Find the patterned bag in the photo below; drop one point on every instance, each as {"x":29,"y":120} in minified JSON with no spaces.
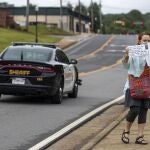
{"x":140,"y":86}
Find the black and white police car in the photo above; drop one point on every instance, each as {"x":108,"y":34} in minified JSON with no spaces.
{"x":38,"y":69}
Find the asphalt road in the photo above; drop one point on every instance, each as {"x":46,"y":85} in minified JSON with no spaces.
{"x":87,"y":46}
{"x":25,"y":121}
{"x":111,"y":53}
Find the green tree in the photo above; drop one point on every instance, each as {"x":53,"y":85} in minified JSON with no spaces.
{"x":69,"y":5}
{"x":135,"y":15}
{"x":136,"y":20}
{"x":96,"y":16}
{"x":147,"y":21}
{"x":83,"y":9}
{"x":130,"y":20}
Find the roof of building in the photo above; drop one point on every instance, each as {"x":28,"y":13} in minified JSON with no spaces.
{"x":52,"y":11}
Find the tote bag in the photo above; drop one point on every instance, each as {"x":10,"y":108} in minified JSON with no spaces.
{"x":140,"y":86}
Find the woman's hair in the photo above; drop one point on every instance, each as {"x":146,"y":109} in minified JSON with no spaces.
{"x":140,"y":36}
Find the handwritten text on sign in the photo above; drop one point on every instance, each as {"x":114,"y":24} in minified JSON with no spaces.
{"x":139,"y":50}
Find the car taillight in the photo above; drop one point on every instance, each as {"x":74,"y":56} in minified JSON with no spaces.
{"x":45,"y":69}
{"x":48,"y":69}
{"x":1,"y":66}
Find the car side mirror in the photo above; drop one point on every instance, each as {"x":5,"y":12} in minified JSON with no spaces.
{"x":73,"y":61}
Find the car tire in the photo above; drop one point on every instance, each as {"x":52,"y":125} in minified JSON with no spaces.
{"x":57,"y":98}
{"x":74,"y":93}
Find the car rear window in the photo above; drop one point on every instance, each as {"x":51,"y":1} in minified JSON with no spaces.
{"x":28,"y":54}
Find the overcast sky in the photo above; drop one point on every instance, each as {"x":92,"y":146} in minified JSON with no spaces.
{"x":108,"y":6}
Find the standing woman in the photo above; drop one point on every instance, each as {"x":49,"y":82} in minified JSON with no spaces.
{"x":138,"y":108}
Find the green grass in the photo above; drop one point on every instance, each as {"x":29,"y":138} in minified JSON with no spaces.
{"x":58,"y":31}
{"x":42,"y":29}
{"x":7,"y":36}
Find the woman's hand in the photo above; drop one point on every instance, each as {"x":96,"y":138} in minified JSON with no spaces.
{"x":126,"y":56}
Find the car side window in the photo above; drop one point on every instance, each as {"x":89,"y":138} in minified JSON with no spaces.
{"x":61,"y":57}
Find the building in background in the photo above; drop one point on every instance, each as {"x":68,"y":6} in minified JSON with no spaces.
{"x":5,"y":5}
{"x":51,"y":17}
{"x":6,"y":20}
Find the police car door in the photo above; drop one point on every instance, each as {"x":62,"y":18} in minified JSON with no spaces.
{"x":69,"y":74}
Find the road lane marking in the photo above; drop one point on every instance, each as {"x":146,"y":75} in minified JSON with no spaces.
{"x":43,"y":144}
{"x":79,"y":42}
{"x":116,"y":50}
{"x":97,"y":50}
{"x":83,"y":74}
{"x":115,"y":45}
{"x":79,"y":48}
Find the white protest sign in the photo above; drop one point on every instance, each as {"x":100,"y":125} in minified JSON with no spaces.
{"x":139,"y":50}
{"x":148,"y":56}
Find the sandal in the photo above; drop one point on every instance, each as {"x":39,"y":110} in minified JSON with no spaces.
{"x":125,"y":139}
{"x":140,"y":140}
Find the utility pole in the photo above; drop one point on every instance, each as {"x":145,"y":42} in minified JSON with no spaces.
{"x":36,"y":29}
{"x":27,"y":15}
{"x":100,"y":16}
{"x":79,"y":17}
{"x":92,"y":16}
{"x":61,"y":15}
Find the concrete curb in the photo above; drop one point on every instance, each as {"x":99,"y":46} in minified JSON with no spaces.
{"x":67,"y":45}
{"x":104,"y":132}
{"x":67,"y":129}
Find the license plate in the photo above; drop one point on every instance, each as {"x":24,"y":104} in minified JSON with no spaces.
{"x":18,"y":81}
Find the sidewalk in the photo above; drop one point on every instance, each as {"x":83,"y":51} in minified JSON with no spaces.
{"x":100,"y":134}
{"x":113,"y":140}
{"x":84,"y":134}
{"x":68,"y":41}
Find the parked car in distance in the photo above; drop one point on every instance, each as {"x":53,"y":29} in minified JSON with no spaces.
{"x":38,"y":69}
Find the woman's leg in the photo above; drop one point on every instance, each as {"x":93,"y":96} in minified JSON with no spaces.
{"x":128,"y":126}
{"x":141,"y":129}
{"x":142,"y":121}
{"x":141,"y":125}
{"x":132,"y":114}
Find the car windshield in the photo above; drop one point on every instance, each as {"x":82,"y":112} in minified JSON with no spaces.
{"x":28,"y":54}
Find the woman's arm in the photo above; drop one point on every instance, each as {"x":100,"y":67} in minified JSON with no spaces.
{"x":125,"y":59}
